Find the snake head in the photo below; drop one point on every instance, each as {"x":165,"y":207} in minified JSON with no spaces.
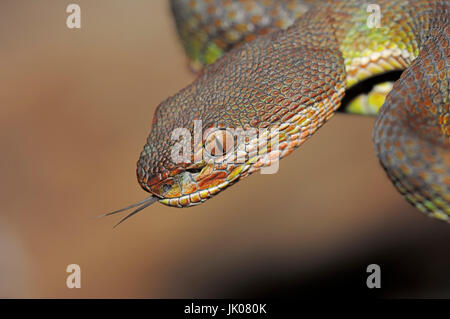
{"x":252,"y":112}
{"x":189,"y":157}
{"x":248,"y":98}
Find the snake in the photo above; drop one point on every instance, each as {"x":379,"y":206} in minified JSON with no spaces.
{"x":282,"y":68}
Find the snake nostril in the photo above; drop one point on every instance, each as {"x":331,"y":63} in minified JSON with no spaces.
{"x":166,"y":188}
{"x":194,"y":170}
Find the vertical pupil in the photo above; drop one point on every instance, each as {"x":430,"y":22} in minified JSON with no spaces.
{"x":219,"y":142}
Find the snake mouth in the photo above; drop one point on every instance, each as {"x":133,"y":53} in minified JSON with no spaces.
{"x":194,"y":185}
{"x":195,"y":198}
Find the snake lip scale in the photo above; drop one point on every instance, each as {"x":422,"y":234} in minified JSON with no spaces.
{"x":266,"y":64}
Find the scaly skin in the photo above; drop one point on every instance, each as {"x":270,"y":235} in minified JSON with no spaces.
{"x":295,"y":79}
{"x":209,"y":29}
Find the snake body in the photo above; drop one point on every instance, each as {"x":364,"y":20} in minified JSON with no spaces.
{"x":287,"y":64}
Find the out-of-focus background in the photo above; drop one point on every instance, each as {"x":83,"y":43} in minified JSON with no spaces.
{"x":75,"y":109}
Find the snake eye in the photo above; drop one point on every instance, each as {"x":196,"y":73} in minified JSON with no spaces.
{"x":219,"y":142}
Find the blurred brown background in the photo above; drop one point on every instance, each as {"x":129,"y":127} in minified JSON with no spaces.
{"x":76,"y":107}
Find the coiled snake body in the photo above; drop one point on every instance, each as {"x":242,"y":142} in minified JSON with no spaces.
{"x":294,"y":80}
